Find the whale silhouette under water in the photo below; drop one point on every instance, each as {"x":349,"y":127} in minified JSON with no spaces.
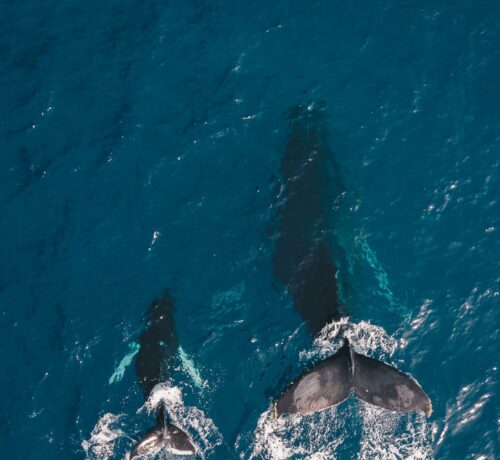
{"x":158,"y":347}
{"x":305,"y":260}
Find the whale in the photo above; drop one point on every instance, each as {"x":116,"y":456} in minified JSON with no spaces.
{"x":308,"y":261}
{"x":158,"y":346}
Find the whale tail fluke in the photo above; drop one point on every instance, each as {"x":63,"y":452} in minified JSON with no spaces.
{"x":382,"y":385}
{"x":332,"y":380}
{"x":164,"y":436}
{"x":328,"y":383}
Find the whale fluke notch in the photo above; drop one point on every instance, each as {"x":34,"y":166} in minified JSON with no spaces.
{"x":164,"y":436}
{"x":332,"y":380}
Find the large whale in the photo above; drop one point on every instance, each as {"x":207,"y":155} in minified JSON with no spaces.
{"x":158,"y":347}
{"x":307,"y":261}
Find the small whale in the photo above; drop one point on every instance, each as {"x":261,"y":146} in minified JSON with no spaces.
{"x":158,"y":347}
{"x":306,"y":260}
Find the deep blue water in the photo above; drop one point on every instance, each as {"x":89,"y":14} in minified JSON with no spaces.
{"x":141,"y":144}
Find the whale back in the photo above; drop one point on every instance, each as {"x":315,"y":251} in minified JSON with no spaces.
{"x":158,"y":344}
{"x":302,"y":258}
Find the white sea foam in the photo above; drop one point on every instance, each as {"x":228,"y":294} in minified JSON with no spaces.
{"x":192,"y":420}
{"x":364,"y":337}
{"x":110,"y":434}
{"x":392,"y":436}
{"x":104,"y":437}
{"x":295,"y":437}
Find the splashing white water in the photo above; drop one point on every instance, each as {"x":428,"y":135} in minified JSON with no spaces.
{"x":192,"y":420}
{"x":295,"y":437}
{"x":364,"y":337}
{"x":392,"y":436}
{"x":104,"y":437}
{"x":109,"y":435}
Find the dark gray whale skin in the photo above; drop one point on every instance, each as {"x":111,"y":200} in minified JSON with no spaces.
{"x":158,"y":344}
{"x":158,"y":347}
{"x":306,"y":261}
{"x":302,"y":258}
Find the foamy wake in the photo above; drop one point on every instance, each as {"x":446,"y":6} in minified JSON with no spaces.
{"x":384,"y":434}
{"x":104,"y":437}
{"x":109,"y":436}
{"x":388,"y":435}
{"x":364,"y":337}
{"x":202,"y":430}
{"x":294,"y":437}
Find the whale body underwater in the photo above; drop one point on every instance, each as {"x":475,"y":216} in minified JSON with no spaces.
{"x":306,"y":260}
{"x":158,"y":348}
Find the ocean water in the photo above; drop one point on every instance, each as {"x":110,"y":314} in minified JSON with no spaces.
{"x":141,"y":146}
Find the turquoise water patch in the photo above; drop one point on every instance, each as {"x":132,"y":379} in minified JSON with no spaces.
{"x":384,"y":289}
{"x":230,"y":296}
{"x":189,"y":366}
{"x":124,"y":363}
